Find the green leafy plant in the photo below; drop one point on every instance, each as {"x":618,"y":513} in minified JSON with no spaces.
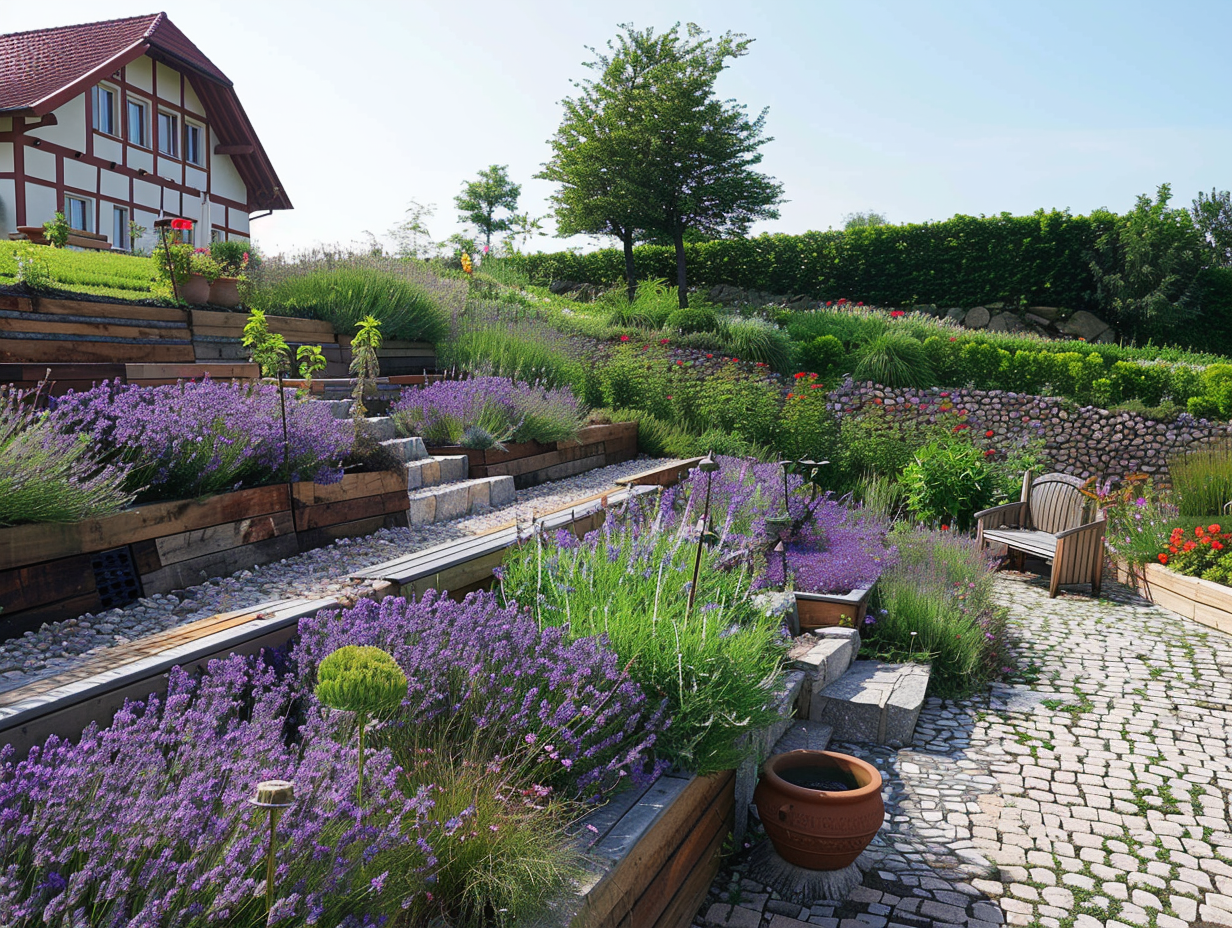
{"x":32,"y":271}
{"x":363,"y":680}
{"x":365,"y":366}
{"x":172,"y":261}
{"x":823,"y":355}
{"x":311,"y":360}
{"x":56,"y":230}
{"x":894,"y":361}
{"x":947,"y":483}
{"x":202,"y":263}
{"x":756,"y":339}
{"x":267,"y":349}
{"x":235,"y":257}
{"x":1202,"y":480}
{"x":693,"y":319}
{"x":136,"y":232}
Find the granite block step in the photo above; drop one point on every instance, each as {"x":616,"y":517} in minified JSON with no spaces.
{"x":449,"y":501}
{"x":432,"y":471}
{"x":824,"y":664}
{"x":873,"y":703}
{"x":406,"y":450}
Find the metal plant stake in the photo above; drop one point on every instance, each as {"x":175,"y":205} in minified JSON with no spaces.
{"x":708,"y":465}
{"x":274,"y":795}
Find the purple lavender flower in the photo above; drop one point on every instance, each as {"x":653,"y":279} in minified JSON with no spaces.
{"x":442,"y":412}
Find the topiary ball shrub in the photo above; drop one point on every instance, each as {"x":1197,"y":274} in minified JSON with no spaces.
{"x":693,"y":319}
{"x":823,"y":355}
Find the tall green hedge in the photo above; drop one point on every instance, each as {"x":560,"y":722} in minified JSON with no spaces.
{"x":1043,"y":259}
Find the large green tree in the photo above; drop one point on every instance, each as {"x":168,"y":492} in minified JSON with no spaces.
{"x":482,"y":198}
{"x":648,"y":151}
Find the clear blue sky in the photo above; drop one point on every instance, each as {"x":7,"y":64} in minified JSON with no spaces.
{"x":919,"y":110}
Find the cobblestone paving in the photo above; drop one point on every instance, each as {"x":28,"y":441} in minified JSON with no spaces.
{"x":1092,"y":792}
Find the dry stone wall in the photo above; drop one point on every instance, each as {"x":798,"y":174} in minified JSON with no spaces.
{"x":1085,"y":441}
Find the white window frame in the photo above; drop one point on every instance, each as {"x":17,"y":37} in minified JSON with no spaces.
{"x":144,"y":141}
{"x":87,"y":210}
{"x":172,"y":137}
{"x":97,"y":99}
{"x":192,"y":124}
{"x":120,"y":217}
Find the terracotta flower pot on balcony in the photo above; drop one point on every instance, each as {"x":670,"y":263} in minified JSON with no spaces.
{"x":820,"y":808}
{"x":225,"y":291}
{"x":196,"y":290}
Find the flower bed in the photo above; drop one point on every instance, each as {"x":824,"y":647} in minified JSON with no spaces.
{"x":1193,"y":598}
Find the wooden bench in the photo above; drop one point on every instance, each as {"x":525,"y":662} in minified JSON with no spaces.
{"x":1048,"y":523}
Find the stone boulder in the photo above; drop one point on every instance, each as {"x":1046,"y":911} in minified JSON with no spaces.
{"x":1037,"y":321}
{"x":956,"y":314}
{"x":563,"y":286}
{"x":929,"y":309}
{"x":1051,"y":313}
{"x":978,"y":318}
{"x":1006,"y":322}
{"x":1083,"y":324}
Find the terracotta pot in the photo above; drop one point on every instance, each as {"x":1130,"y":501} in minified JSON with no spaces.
{"x":820,"y":829}
{"x":196,"y":290}
{"x":225,"y":291}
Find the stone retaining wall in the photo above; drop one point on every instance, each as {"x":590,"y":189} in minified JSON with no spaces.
{"x":1085,"y":441}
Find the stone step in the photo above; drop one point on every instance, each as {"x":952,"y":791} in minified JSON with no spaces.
{"x":804,"y":735}
{"x":873,"y":703}
{"x":826,"y":663}
{"x":382,"y":428}
{"x":435,"y":470}
{"x":455,"y":500}
{"x":406,"y":450}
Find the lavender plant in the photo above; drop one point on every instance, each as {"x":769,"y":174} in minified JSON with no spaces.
{"x":48,"y":476}
{"x":629,"y":582}
{"x":194,"y":438}
{"x":506,"y":410}
{"x":479,"y":671}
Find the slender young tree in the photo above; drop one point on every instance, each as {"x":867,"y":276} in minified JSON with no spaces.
{"x":481,"y":198}
{"x":700,"y":175}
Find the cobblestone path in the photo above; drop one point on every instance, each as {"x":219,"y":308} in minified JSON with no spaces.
{"x":1093,"y":792}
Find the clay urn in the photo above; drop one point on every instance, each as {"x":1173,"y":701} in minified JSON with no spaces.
{"x":195,"y":290}
{"x":225,"y":291}
{"x":819,"y":829}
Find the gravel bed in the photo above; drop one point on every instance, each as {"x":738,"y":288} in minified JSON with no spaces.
{"x":321,"y":572}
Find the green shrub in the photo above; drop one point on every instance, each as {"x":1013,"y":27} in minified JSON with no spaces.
{"x":655,"y":303}
{"x":693,"y":319}
{"x":807,"y":429}
{"x":110,"y":274}
{"x":823,"y":355}
{"x":522,"y":351}
{"x":727,"y":400}
{"x":947,"y":483}
{"x":346,"y":293}
{"x":757,"y":340}
{"x":878,"y":443}
{"x":235,"y":257}
{"x":633,"y":379}
{"x":1202,"y":479}
{"x":894,"y":361}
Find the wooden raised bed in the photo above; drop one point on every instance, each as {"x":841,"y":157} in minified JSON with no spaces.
{"x":56,"y":571}
{"x":1190,"y":597}
{"x":657,"y":852}
{"x":531,"y":463}
{"x":39,"y":330}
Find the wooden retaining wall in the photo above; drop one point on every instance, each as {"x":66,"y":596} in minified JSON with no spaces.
{"x":37,"y":330}
{"x":531,"y":463}
{"x":1190,"y":597}
{"x":52,"y":571}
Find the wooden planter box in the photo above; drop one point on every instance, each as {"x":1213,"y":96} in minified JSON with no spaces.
{"x":1191,"y":597}
{"x":531,"y":463}
{"x":819,"y":610}
{"x":54,"y":571}
{"x":656,"y":852}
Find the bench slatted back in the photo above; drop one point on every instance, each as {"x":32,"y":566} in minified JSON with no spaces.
{"x":1056,"y":503}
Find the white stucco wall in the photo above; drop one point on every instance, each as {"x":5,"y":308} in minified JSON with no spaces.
{"x":8,"y":207}
{"x":80,"y":175}
{"x":140,"y":159}
{"x":107,"y":149}
{"x":70,"y":128}
{"x":237,"y":219}
{"x":225,"y":179}
{"x":6,"y":156}
{"x":113,"y":185}
{"x":146,"y":194}
{"x":40,"y":164}
{"x":168,"y":83}
{"x":40,"y":204}
{"x":138,"y":72}
{"x":191,"y":100}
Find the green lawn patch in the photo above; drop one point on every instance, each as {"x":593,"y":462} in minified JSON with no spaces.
{"x":111,"y":274}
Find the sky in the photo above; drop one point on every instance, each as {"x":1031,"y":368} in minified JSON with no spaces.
{"x":917,"y":110}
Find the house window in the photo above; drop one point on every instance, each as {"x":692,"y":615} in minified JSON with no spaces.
{"x":105,"y":109}
{"x":77,"y":212}
{"x":194,"y":144}
{"x":168,"y":134}
{"x":119,"y":229}
{"x":138,"y":122}
{"x":215,"y":235}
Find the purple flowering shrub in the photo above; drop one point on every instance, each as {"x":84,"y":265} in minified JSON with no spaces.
{"x":832,"y":546}
{"x":194,"y":438}
{"x":448,"y":412}
{"x":147,"y":822}
{"x":48,"y":476}
{"x":481,"y":672}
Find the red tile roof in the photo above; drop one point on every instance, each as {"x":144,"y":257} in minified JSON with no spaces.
{"x":35,"y":66}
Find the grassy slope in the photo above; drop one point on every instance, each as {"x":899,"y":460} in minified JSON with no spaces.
{"x":115,"y":275}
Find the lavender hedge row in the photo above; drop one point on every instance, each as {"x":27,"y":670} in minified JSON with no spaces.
{"x":147,"y":822}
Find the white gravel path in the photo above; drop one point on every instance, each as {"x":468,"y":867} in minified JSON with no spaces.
{"x":317,"y":573}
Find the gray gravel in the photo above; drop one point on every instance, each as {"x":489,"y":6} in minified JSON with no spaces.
{"x":55,"y":647}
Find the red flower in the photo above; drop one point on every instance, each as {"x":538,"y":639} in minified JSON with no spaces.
{"x":624,"y":338}
{"x":1215,"y":529}
{"x":842,"y":301}
{"x":945,"y":528}
{"x":791,"y":396}
{"x":669,"y":397}
{"x":988,"y":434}
{"x":895,"y":314}
{"x":816,"y":386}
{"x":945,"y":394}
{"x":828,"y":303}
{"x":953,"y":338}
{"x":1217,"y":545}
{"x":859,"y":304}
{"x":1163,"y":559}
{"x":663,"y":341}
{"x":990,"y":452}
{"x":710,"y":356}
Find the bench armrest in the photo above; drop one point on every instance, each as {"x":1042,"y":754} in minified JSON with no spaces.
{"x":1096,"y":527}
{"x":1011,"y":515}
